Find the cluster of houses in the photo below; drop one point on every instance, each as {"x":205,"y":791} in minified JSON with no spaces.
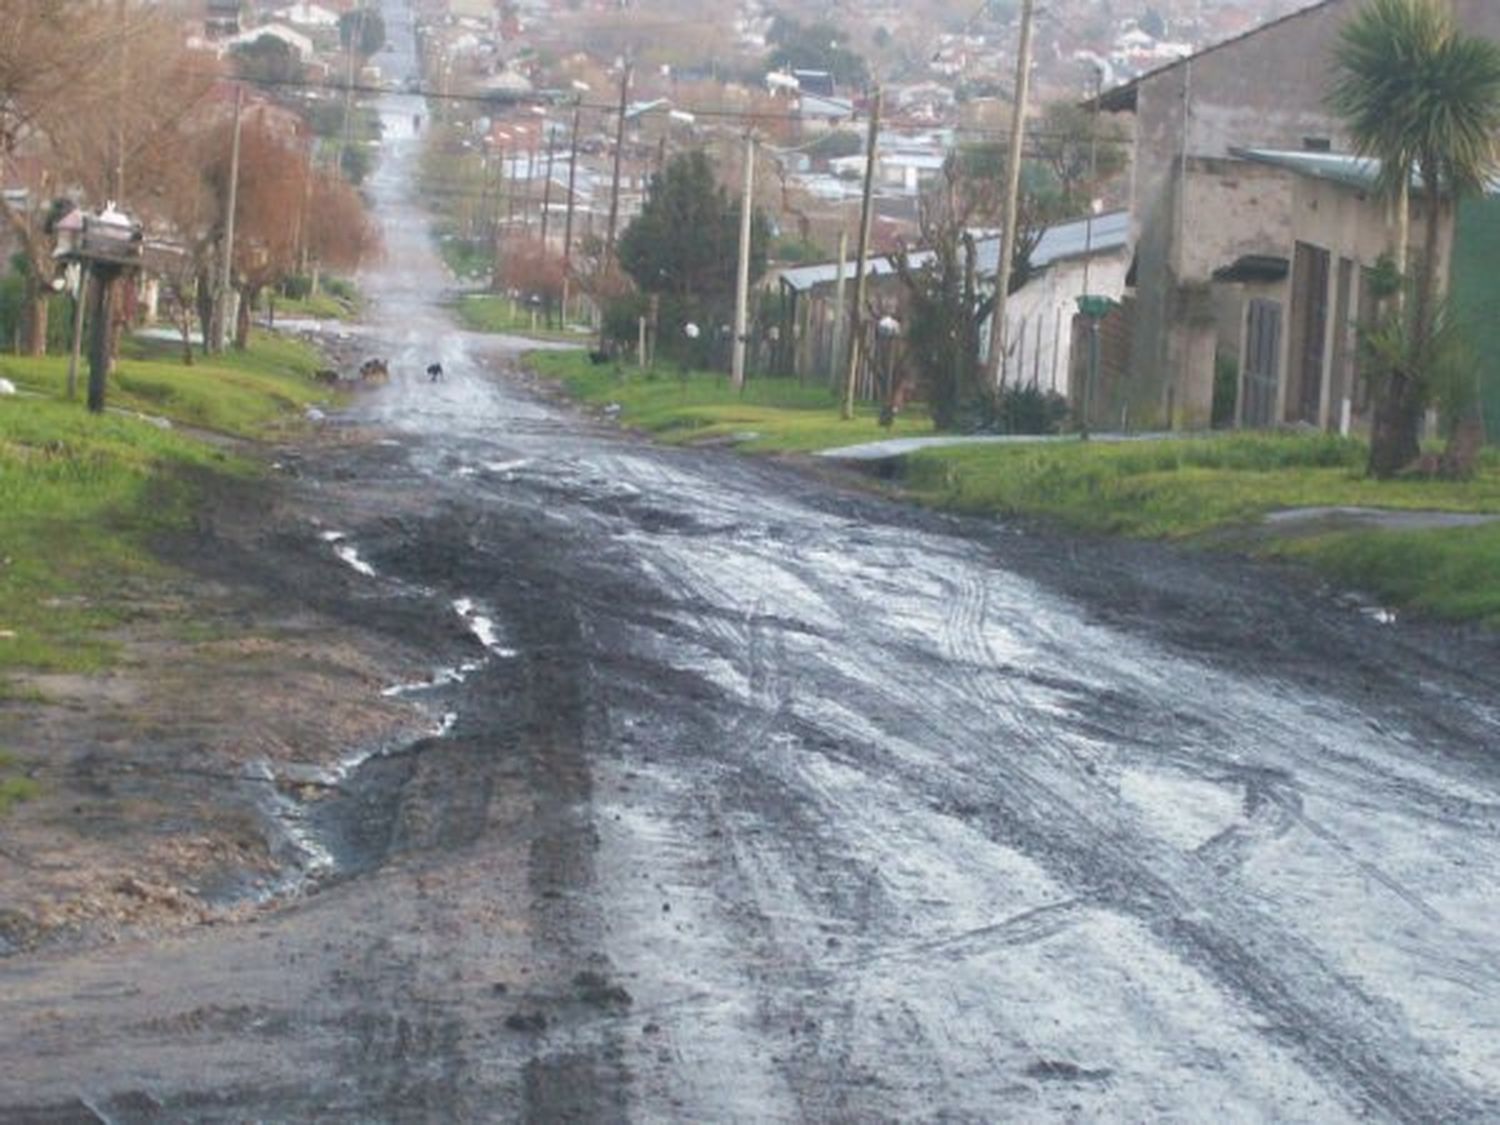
{"x":1243,"y":267}
{"x":1236,"y":266}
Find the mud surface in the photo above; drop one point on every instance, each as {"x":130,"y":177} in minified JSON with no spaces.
{"x":652,"y":784}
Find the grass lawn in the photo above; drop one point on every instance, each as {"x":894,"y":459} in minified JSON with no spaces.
{"x":315,"y":306}
{"x":1197,"y":488}
{"x":771,"y":415}
{"x":491,"y":312}
{"x":81,"y":494}
{"x":246,"y":394}
{"x":467,"y":259}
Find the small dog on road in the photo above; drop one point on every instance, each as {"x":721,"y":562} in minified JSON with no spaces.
{"x":434,"y":372}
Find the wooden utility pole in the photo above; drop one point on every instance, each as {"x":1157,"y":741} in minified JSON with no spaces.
{"x":614,"y":193}
{"x":568,"y":222}
{"x":530,"y":197}
{"x":865,"y":220}
{"x":742,"y":272}
{"x":1012,"y":197}
{"x":614,"y":185}
{"x":226,"y":272}
{"x":117,"y":180}
{"x":546,"y":188}
{"x":839,"y":317}
{"x":356,"y":38}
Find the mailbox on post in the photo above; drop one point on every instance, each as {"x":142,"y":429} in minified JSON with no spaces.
{"x":106,"y":245}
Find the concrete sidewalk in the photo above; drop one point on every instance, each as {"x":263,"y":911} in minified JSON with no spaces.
{"x":892,"y":448}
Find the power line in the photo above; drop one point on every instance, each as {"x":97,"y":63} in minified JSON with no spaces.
{"x":744,"y":115}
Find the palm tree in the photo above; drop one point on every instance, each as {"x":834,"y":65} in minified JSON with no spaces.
{"x":1424,"y":99}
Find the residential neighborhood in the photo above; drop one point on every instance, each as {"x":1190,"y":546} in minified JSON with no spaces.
{"x":637,"y":561}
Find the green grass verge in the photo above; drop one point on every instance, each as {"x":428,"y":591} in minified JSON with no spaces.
{"x":246,"y":394}
{"x":771,"y":415}
{"x":490,"y":312}
{"x":316,"y":306}
{"x":1196,"y":488}
{"x":1177,"y":488}
{"x":81,"y":494}
{"x":468,"y":259}
{"x":1454,"y":573}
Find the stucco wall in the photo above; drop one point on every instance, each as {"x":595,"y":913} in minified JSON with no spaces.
{"x":1268,"y":89}
{"x":1040,"y":318}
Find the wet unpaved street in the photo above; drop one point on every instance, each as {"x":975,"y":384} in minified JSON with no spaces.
{"x":750,"y":798}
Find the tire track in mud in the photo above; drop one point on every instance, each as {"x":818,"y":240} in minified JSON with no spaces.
{"x":1060,"y":785}
{"x":1326,"y":1016}
{"x":1333,"y":1023}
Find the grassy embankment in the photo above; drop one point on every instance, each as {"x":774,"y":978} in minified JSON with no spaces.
{"x":1198,"y":489}
{"x":81,"y":495}
{"x":771,"y":415}
{"x":322,"y":305}
{"x":492,"y":312}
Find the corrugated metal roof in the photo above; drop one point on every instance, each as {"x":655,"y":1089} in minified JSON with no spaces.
{"x":817,"y":105}
{"x":1358,"y":172}
{"x":1109,"y":232}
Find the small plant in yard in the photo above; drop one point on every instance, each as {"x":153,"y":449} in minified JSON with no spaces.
{"x":14,"y":788}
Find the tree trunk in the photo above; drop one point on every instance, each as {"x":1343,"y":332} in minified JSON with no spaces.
{"x":1394,"y":427}
{"x":205,"y":303}
{"x":248,"y":297}
{"x":34,"y":326}
{"x":185,"y":329}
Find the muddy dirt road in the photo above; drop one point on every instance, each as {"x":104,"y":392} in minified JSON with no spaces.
{"x":748,"y":798}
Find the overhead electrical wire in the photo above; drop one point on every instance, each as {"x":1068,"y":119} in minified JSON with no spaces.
{"x":613,"y":107}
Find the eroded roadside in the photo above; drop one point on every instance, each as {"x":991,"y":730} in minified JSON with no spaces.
{"x":171,"y":784}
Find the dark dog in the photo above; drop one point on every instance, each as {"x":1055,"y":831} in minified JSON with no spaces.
{"x":434,"y":372}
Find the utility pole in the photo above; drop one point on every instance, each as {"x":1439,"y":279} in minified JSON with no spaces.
{"x":1012,"y":196}
{"x":226,"y":273}
{"x":356,"y":37}
{"x":865,"y":219}
{"x":546,"y":187}
{"x":614,"y":192}
{"x":121,"y":101}
{"x":742,"y":274}
{"x":614,"y":186}
{"x":839,"y":321}
{"x":568,"y":222}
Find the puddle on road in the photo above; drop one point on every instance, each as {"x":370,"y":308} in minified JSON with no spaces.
{"x":347,"y":552}
{"x":329,"y":823}
{"x":324,"y":825}
{"x":483,"y":627}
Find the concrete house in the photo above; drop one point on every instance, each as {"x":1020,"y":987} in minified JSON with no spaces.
{"x":1251,"y":229}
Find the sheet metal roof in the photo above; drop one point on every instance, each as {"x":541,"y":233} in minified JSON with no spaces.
{"x":1358,"y":172}
{"x":1110,"y":232}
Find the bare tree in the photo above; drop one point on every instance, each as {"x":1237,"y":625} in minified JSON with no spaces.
{"x":62,"y":135}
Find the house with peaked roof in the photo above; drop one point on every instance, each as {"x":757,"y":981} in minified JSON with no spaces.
{"x":1042,"y":316}
{"x":1214,"y":209}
